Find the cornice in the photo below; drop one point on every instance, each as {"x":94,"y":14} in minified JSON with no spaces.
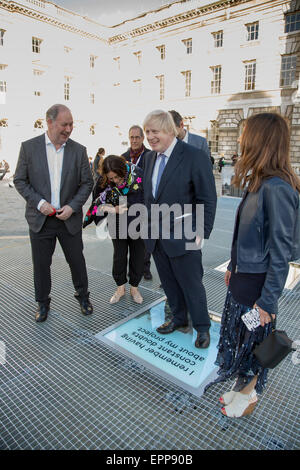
{"x":14,"y":7}
{"x":176,"y":19}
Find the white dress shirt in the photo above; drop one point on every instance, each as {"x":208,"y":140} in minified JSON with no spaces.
{"x":55,"y":162}
{"x":167,"y":153}
{"x":186,"y":137}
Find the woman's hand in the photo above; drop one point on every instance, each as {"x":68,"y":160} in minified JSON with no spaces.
{"x":227,"y":277}
{"x":264,"y":316}
{"x":121,"y":209}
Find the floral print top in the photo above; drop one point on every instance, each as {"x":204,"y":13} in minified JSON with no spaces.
{"x":111,"y":194}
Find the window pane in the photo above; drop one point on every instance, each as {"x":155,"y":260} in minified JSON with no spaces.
{"x":288,"y":70}
{"x":292,"y":22}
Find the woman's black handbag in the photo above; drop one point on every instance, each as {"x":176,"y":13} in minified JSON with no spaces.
{"x":273,"y":349}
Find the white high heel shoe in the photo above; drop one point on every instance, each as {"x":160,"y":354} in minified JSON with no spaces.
{"x":241,"y":405}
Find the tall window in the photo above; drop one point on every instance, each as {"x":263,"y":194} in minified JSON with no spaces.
{"x":292,"y":22}
{"x":37,"y":93}
{"x":2,"y":32}
{"x":37,"y":72}
{"x":67,"y":88}
{"x":161,"y":79}
{"x":288,"y":70}
{"x":213,"y":137}
{"x":252,"y":31}
{"x":138,"y":56}
{"x":93,"y":129}
{"x":187,"y":74}
{"x":36,"y":45}
{"x":218,"y":39}
{"x":92,"y":61}
{"x":162,"y":51}
{"x":250,"y":75}
{"x":3,"y":86}
{"x":3,"y":66}
{"x":215,"y":86}
{"x":189,"y":45}
{"x":138,"y":85}
{"x":117,"y":62}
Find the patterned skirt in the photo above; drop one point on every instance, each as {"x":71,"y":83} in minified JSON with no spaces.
{"x":235,"y":349}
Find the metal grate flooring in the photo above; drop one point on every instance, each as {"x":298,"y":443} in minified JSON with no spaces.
{"x":62,"y":389}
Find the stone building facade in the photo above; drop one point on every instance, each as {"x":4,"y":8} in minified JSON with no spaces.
{"x":216,"y":62}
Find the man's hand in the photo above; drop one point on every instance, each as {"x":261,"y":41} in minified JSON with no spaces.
{"x":64,"y":213}
{"x":46,"y":208}
{"x":121,"y":209}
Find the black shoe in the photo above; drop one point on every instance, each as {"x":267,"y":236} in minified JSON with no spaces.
{"x":42,"y":313}
{"x":148,"y":276}
{"x":203,"y":339}
{"x":169,"y":327}
{"x":85,"y":304}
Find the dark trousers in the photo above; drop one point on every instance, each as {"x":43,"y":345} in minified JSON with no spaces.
{"x":42,"y":247}
{"x":136,"y":261}
{"x":181,"y":279}
{"x":147,"y":262}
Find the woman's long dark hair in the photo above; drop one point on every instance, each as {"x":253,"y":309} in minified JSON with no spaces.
{"x":265,"y":145}
{"x":115,"y":164}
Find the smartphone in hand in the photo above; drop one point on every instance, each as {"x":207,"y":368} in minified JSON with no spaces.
{"x":251,"y":319}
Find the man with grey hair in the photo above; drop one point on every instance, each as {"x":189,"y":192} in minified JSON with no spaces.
{"x":54,"y":177}
{"x":178,"y":174}
{"x":136,"y":154}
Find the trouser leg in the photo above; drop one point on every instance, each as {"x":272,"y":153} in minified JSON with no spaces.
{"x":136,"y":260}
{"x":170,"y":285}
{"x":42,"y":249}
{"x":147,"y":262}
{"x":119,"y":269}
{"x":188,"y":271}
{"x":72,"y":247}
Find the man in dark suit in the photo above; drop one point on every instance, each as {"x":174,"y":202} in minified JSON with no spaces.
{"x":136,"y":154}
{"x":178,"y":173}
{"x":54,"y":177}
{"x":188,"y":137}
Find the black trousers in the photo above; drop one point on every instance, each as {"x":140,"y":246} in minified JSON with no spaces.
{"x":42,"y":247}
{"x":136,"y":250}
{"x":181,"y":279}
{"x":147,"y":261}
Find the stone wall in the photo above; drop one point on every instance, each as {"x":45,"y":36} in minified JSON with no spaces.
{"x":295,"y":136}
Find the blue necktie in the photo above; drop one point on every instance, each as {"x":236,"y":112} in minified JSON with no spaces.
{"x":160,"y":171}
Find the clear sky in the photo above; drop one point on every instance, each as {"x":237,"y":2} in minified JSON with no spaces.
{"x":110,"y":12}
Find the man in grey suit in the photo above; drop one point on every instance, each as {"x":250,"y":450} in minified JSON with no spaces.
{"x":176,"y":173}
{"x":53,"y":175}
{"x":188,"y":137}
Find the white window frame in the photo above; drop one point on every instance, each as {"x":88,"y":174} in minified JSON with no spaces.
{"x":218,"y":38}
{"x":215,"y":84}
{"x":36,"y":45}
{"x":250,"y":75}
{"x":288,"y":70}
{"x":187,"y":83}
{"x":252,"y":31}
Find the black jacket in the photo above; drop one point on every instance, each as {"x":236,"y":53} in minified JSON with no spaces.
{"x":268,"y":237}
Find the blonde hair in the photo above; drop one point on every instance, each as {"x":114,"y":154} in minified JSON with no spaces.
{"x":163,"y":120}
